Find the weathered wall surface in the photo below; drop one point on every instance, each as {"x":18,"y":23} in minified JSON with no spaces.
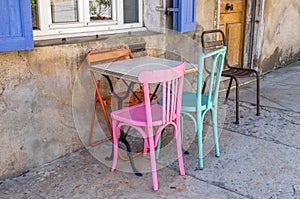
{"x":281,"y":34}
{"x":206,"y":14}
{"x":36,"y":124}
{"x":151,"y":16}
{"x":206,"y":17}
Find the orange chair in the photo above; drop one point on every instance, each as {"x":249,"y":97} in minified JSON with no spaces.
{"x":96,"y":56}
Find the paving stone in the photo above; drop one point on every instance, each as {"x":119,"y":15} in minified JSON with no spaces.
{"x":81,"y":176}
{"x":248,"y":166}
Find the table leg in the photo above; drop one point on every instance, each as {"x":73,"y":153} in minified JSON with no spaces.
{"x":123,"y":134}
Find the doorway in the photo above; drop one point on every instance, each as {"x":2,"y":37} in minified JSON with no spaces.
{"x":232,"y":23}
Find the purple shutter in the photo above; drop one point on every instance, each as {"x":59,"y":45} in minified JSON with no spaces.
{"x":186,"y":15}
{"x":16,"y":25}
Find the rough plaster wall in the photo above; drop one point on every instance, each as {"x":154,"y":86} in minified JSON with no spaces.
{"x":206,"y":17}
{"x":151,"y":16}
{"x":35,"y":105}
{"x":247,"y":42}
{"x":281,"y":37}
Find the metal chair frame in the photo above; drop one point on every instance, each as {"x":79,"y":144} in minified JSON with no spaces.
{"x":234,"y":73}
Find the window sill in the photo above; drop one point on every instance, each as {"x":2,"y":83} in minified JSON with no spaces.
{"x":92,"y":37}
{"x":85,"y":31}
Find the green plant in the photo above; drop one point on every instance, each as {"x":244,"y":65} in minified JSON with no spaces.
{"x":99,"y":8}
{"x":93,"y":9}
{"x":105,"y":3}
{"x":33,"y":3}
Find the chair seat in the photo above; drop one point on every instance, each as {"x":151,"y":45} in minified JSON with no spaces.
{"x":189,"y":102}
{"x":237,"y":72}
{"x":136,"y":115}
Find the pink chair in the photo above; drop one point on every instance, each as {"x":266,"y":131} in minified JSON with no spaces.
{"x":143,"y":117}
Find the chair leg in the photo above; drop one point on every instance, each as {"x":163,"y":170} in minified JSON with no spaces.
{"x":181,"y":134}
{"x":158,"y":148}
{"x":116,"y":131}
{"x":228,"y":90}
{"x":257,"y":94}
{"x":237,"y":99}
{"x":179,"y":151}
{"x":214,"y":115}
{"x":200,"y":153}
{"x":93,"y":122}
{"x":158,"y":145}
{"x":152,"y":159}
{"x":96,"y":100}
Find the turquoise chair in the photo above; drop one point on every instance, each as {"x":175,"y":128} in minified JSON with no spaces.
{"x":191,"y":101}
{"x":200,"y":104}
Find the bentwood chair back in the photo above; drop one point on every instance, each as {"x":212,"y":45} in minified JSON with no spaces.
{"x":145,"y":116}
{"x":199,"y":104}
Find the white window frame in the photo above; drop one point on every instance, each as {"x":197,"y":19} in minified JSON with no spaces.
{"x":84,"y":27}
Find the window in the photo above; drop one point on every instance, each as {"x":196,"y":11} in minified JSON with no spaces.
{"x":69,"y":18}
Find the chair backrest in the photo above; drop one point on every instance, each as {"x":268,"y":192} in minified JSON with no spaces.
{"x":171,"y":81}
{"x":106,"y":54}
{"x":218,"y":57}
{"x":111,"y":54}
{"x":212,"y":40}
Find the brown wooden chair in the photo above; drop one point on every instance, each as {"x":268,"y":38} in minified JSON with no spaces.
{"x":212,"y":39}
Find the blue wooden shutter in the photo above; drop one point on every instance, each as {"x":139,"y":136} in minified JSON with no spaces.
{"x":16,"y":25}
{"x":186,"y":19}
